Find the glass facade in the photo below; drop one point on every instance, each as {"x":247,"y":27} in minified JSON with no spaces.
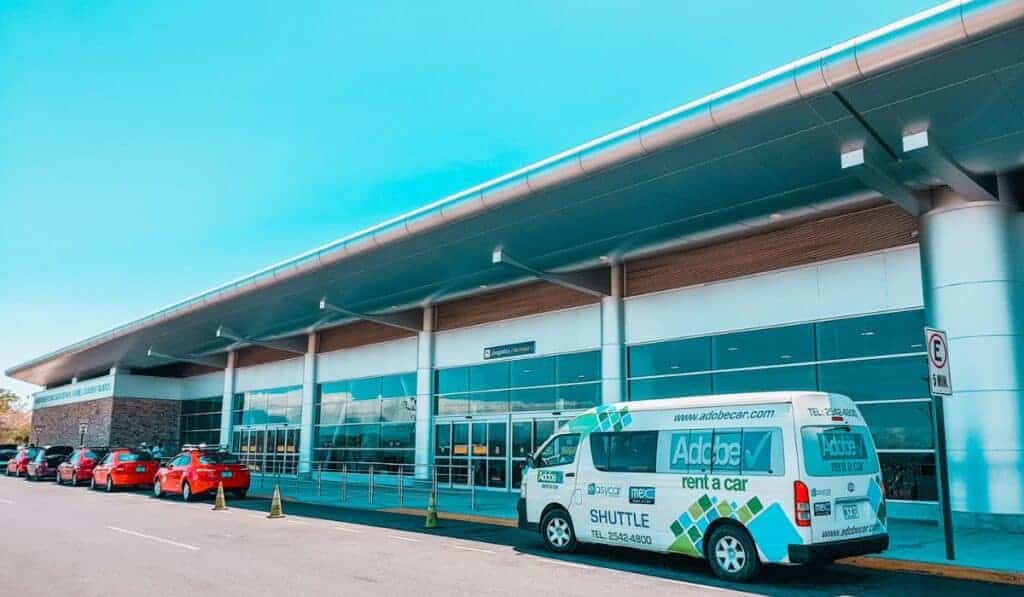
{"x":364,"y":421}
{"x":200,"y":421}
{"x":877,"y":360}
{"x":266,"y":428}
{"x":556,"y":383}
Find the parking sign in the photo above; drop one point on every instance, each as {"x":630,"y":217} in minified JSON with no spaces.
{"x":938,"y":362}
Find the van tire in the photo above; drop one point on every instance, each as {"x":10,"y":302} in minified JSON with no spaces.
{"x":557,"y":532}
{"x":732,"y":553}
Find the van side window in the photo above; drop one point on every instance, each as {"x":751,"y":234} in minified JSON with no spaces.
{"x":753,"y":451}
{"x":560,"y":450}
{"x":625,"y":451}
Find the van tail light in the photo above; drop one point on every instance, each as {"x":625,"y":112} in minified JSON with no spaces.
{"x":802,"y":504}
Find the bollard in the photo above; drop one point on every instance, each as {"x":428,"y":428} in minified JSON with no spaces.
{"x":344,"y":482}
{"x":401,"y":488}
{"x":220,"y":503}
{"x":275,"y":504}
{"x":431,"y":522}
{"x":319,"y":478}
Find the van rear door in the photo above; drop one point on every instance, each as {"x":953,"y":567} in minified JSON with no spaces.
{"x":842,"y":476}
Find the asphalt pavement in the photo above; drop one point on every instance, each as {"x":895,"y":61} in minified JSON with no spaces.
{"x":58,"y":540}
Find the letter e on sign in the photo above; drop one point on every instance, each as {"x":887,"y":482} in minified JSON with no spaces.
{"x":937,"y":345}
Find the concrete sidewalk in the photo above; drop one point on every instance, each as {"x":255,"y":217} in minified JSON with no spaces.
{"x":915,"y":546}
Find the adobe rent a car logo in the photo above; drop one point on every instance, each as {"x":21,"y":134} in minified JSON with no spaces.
{"x":549,"y":476}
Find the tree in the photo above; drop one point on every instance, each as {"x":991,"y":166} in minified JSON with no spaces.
{"x":8,"y":400}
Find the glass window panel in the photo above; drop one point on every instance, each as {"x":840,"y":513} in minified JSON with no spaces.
{"x":899,"y":425}
{"x":479,"y":437}
{"x":542,"y":431}
{"x":774,"y":346}
{"x":664,"y":358}
{"x":361,"y":436}
{"x":578,"y":396}
{"x":362,"y":411}
{"x":399,"y":385}
{"x":443,"y":440}
{"x":452,"y":404}
{"x":909,"y":476}
{"x":450,"y":381}
{"x":497,"y":443}
{"x":765,"y":380}
{"x":632,"y":451}
{"x":398,"y":409}
{"x":698,"y":450}
{"x":880,"y":379}
{"x":365,"y":389}
{"x":460,"y":440}
{"x":494,"y":376}
{"x":331,"y":413}
{"x":533,"y":399}
{"x":669,"y":387}
{"x":890,"y":333}
{"x":400,"y":435}
{"x":532,"y":372}
{"x":522,"y":445}
{"x":517,"y":473}
{"x":489,"y":402}
{"x":293,"y":415}
{"x":333,"y":391}
{"x":578,"y":367}
{"x":496,"y":472}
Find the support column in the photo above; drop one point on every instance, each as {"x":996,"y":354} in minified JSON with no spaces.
{"x":424,"y":456}
{"x":612,"y":337}
{"x":308,"y":403}
{"x":227,"y":402}
{"x":973,"y":283}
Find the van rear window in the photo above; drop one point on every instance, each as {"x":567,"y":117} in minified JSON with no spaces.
{"x":831,"y":451}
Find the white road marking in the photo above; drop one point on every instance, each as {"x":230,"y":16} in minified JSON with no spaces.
{"x":152,"y":538}
{"x":6,"y":501}
{"x":345,"y":529}
{"x":400,"y":538}
{"x":466,"y":548}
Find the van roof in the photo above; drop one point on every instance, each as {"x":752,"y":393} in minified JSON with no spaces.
{"x":749,"y":398}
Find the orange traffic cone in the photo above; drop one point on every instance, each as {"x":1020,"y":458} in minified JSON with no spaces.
{"x":220,"y":503}
{"x":275,"y":504}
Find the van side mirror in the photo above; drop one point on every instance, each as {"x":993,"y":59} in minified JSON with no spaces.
{"x":529,"y":462}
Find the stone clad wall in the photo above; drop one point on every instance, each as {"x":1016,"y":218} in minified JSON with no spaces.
{"x":137,"y":420}
{"x":59,"y":424}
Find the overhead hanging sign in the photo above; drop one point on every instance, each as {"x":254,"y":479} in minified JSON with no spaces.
{"x":509,"y":350}
{"x":939,"y":381}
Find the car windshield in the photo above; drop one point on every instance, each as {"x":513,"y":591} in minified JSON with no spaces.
{"x":218,"y":458}
{"x":31,"y":452}
{"x":136,"y":456}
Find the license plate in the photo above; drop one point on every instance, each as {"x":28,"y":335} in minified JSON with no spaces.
{"x":140,"y":469}
{"x":851,"y":511}
{"x":226,"y":474}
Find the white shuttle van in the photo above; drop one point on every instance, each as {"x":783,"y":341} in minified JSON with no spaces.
{"x":742,"y":479}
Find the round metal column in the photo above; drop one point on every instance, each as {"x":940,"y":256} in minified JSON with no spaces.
{"x":973,"y":283}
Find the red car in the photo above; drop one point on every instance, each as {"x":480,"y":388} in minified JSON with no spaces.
{"x":124,"y":467}
{"x":79,"y":466}
{"x":47,"y":460}
{"x":18,"y":465}
{"x":199,"y":471}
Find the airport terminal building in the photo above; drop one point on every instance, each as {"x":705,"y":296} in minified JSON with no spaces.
{"x":794,"y":232}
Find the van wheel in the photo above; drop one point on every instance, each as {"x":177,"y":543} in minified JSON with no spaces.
{"x":557,"y":532}
{"x":732,"y":554}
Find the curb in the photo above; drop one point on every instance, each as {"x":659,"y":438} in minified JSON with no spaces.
{"x":936,"y":569}
{"x":869,"y":562}
{"x":491,"y":520}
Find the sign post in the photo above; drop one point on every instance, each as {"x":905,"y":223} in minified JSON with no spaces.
{"x":82,"y":429}
{"x":941,"y":385}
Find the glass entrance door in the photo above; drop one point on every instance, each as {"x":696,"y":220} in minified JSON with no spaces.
{"x":268,"y":450}
{"x":492,"y":450}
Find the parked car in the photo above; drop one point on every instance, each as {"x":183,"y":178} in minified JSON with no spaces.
{"x":124,"y":467}
{"x":197,"y":471}
{"x":18,"y":465}
{"x":7,"y":451}
{"x":79,"y":466}
{"x":47,"y":460}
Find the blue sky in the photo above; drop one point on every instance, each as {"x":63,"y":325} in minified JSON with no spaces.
{"x":149,"y":151}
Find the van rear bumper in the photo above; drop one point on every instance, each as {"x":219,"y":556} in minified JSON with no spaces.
{"x":832,"y":550}
{"x":521,"y":515}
